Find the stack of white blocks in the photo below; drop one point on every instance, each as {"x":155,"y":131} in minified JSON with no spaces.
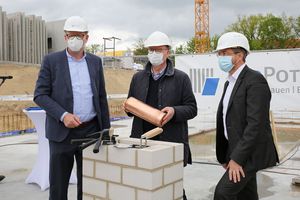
{"x":152,"y":173}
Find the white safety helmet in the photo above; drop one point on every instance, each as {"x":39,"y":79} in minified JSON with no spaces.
{"x":232,"y":40}
{"x":76,"y":23}
{"x":157,"y":38}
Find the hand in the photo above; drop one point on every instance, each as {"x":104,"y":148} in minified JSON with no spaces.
{"x":71,"y":121}
{"x":235,"y":171}
{"x":169,"y":114}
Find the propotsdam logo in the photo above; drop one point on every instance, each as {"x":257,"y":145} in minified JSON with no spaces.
{"x":203,"y":81}
{"x":210,"y":86}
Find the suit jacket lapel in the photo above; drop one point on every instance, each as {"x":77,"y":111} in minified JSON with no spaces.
{"x":66,"y":72}
{"x":220,"y":107}
{"x":92,"y":72}
{"x":237,"y":85}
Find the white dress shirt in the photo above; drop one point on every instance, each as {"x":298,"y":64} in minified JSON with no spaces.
{"x":232,"y":80}
{"x":82,"y":90}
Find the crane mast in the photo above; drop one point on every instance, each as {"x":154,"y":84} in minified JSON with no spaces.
{"x":202,"y":26}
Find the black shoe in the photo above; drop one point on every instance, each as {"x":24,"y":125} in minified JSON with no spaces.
{"x":184,"y":197}
{"x":2,"y":177}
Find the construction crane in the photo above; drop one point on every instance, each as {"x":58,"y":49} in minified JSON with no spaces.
{"x":202,"y":26}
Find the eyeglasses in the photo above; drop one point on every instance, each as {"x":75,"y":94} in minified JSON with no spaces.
{"x":78,"y":36}
{"x":227,"y":53}
{"x":158,"y":50}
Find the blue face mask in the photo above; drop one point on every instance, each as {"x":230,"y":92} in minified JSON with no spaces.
{"x":225,"y":63}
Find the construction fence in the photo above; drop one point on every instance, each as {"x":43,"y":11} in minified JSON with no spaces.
{"x":19,"y":122}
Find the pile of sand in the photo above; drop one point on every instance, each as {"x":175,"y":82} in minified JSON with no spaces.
{"x":24,"y":77}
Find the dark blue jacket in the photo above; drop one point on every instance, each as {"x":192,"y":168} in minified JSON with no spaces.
{"x":54,"y":94}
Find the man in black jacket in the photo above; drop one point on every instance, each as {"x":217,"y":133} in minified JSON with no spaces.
{"x":167,"y":89}
{"x":244,"y":142}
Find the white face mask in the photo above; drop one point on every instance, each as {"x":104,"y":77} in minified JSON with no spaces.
{"x":155,"y":58}
{"x":75,"y":44}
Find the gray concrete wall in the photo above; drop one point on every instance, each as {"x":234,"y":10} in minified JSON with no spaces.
{"x":22,"y":38}
{"x":55,"y":34}
{"x":5,"y":36}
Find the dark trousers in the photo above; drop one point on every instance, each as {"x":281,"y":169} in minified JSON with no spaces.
{"x":246,"y":189}
{"x":61,"y":163}
{"x":184,"y":196}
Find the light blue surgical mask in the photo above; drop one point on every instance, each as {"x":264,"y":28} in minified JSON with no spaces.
{"x":225,"y":63}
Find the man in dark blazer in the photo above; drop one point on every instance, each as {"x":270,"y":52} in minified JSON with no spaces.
{"x":167,"y":89}
{"x":71,"y":89}
{"x":244,"y":142}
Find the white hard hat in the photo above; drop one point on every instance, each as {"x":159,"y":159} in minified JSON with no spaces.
{"x":157,"y":38}
{"x":76,"y":23}
{"x":232,"y":40}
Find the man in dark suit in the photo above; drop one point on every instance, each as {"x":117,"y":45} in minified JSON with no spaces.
{"x":71,"y":89}
{"x":244,"y":142}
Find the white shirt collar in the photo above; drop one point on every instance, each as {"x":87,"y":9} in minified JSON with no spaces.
{"x":69,"y":56}
{"x":235,"y":75}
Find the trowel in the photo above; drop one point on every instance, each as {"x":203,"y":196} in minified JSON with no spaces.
{"x":150,"y":134}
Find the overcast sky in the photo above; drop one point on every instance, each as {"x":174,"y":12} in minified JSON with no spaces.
{"x":134,"y":19}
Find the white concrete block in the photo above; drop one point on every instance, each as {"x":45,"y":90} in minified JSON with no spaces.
{"x":173,"y":173}
{"x":88,"y":168}
{"x":108,"y":172}
{"x":165,"y":193}
{"x":101,"y":156}
{"x":178,"y":148}
{"x":171,"y":144}
{"x":94,"y":187}
{"x":155,"y":156}
{"x":119,"y":192}
{"x":142,"y":179}
{"x":122,"y":156}
{"x":178,"y":189}
{"x":179,"y":152}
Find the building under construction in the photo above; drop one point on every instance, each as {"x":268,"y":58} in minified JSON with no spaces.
{"x":23,"y":38}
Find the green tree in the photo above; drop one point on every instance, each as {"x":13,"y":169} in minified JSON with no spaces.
{"x":249,"y":27}
{"x":297,"y":27}
{"x":181,"y":49}
{"x":268,"y":32}
{"x":214,"y":42}
{"x":93,"y":48}
{"x":275,"y":32}
{"x":139,"y":48}
{"x":190,"y":45}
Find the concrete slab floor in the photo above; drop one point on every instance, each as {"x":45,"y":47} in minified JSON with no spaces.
{"x":16,"y":162}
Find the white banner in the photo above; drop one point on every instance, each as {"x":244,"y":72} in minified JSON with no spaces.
{"x":280,"y":67}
